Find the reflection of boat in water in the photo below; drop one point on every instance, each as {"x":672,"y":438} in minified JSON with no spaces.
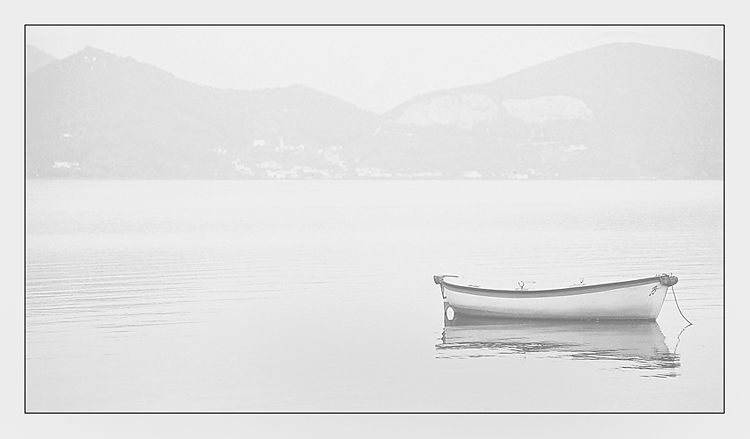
{"x":637,"y":299}
{"x":630,"y":344}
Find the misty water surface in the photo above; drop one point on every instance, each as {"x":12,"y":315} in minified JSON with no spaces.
{"x":258,"y":296}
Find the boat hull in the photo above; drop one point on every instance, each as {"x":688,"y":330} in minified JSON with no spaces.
{"x":639,"y":299}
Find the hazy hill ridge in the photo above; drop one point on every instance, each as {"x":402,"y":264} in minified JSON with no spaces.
{"x":36,"y":59}
{"x":623,"y":110}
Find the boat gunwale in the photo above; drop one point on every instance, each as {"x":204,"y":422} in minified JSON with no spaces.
{"x":550,"y":292}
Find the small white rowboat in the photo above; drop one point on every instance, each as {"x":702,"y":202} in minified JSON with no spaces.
{"x":638,"y":299}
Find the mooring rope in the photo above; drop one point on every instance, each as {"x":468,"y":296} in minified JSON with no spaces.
{"x":674,"y":351}
{"x":678,"y":307}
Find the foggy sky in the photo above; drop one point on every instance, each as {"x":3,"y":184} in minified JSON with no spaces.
{"x":373,"y":67}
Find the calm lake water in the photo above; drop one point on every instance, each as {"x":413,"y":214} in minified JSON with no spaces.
{"x":317,"y":296}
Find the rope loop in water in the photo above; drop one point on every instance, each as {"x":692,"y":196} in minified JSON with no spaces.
{"x":678,"y":307}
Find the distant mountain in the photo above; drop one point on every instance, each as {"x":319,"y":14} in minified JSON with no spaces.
{"x":95,"y":114}
{"x":36,"y":59}
{"x":618,"y":111}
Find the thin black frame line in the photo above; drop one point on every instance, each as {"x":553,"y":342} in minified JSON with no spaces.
{"x":24,"y":222}
{"x":379,"y":24}
{"x":377,"y":413}
{"x":724,"y":213}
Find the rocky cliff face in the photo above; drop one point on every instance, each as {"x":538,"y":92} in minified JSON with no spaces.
{"x":462,"y":110}
{"x":545,"y":109}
